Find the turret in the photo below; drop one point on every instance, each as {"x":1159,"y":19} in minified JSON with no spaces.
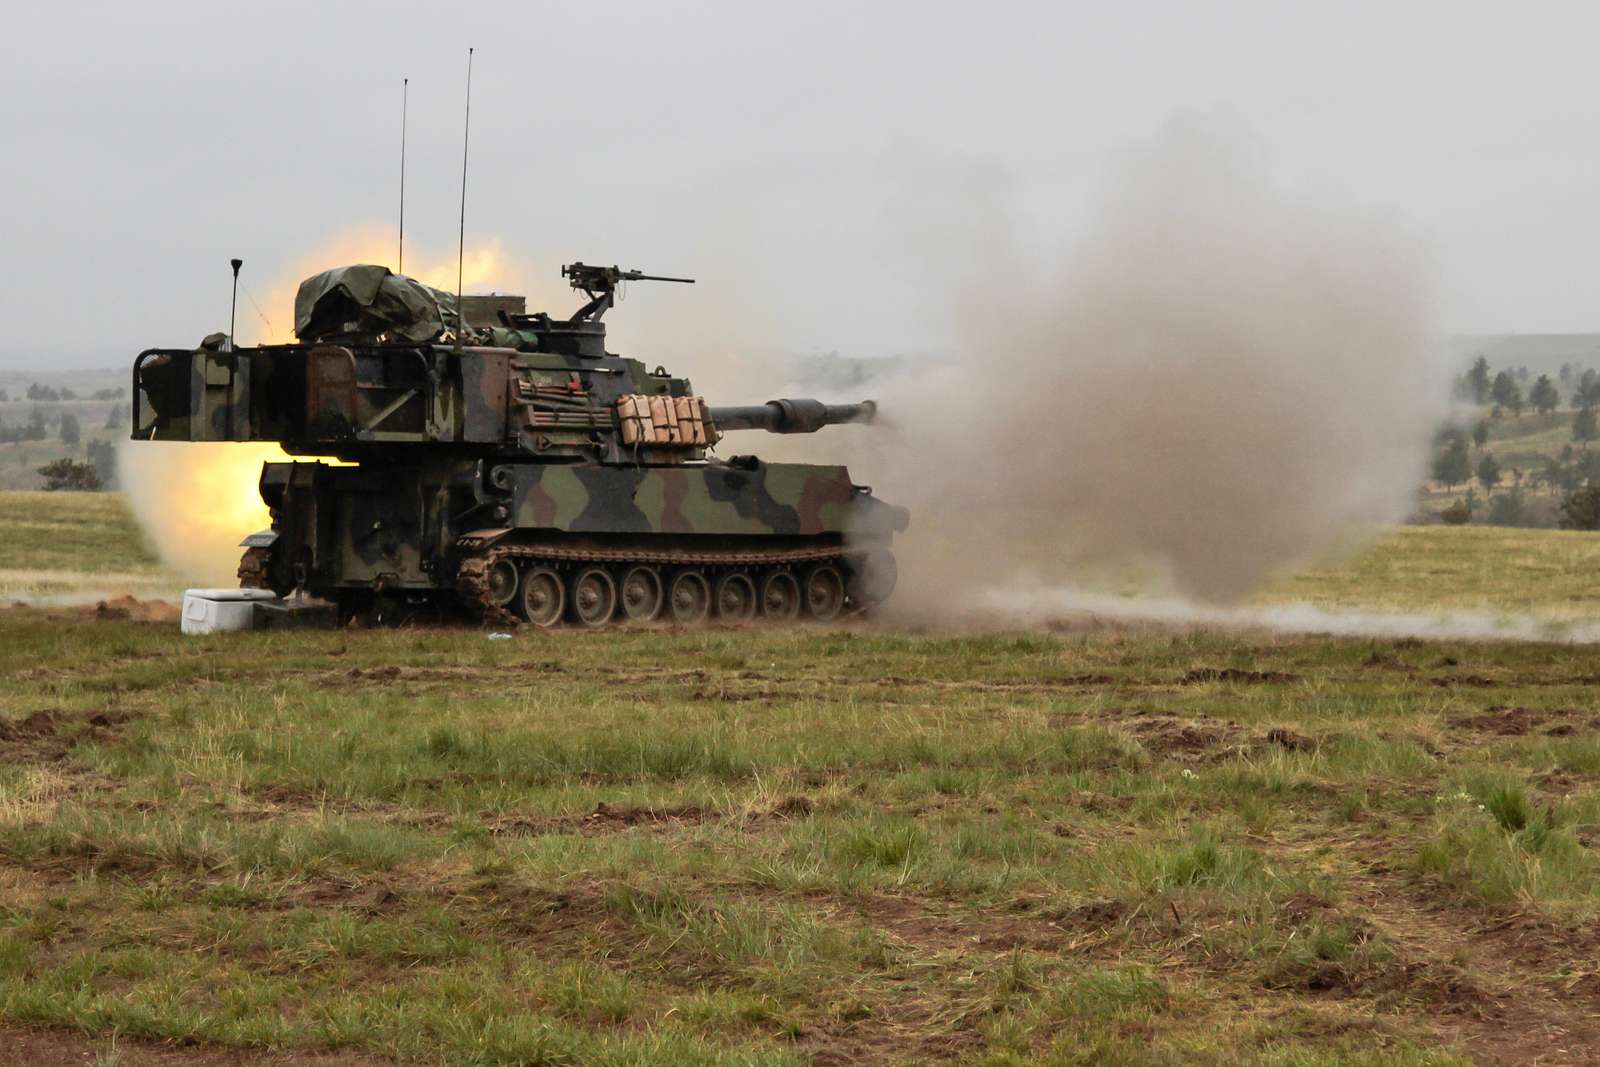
{"x":377,"y":369}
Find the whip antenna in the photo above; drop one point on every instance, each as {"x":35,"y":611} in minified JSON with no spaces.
{"x":461,"y":246}
{"x":405,"y":95}
{"x":233,"y":304}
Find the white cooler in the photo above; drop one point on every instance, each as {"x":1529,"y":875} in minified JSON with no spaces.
{"x":210,"y":611}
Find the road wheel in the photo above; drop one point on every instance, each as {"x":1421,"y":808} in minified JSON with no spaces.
{"x":780,"y":596}
{"x":641,"y":593}
{"x":543,"y":596}
{"x":594,"y":596}
{"x":736,"y":597}
{"x":502,"y":582}
{"x":689,"y":599}
{"x":824,"y":592}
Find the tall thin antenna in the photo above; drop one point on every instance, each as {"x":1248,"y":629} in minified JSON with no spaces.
{"x":233,"y":303}
{"x":461,"y":246}
{"x":405,"y":99}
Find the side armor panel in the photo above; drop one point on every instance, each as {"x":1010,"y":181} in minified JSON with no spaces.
{"x":788,"y":498}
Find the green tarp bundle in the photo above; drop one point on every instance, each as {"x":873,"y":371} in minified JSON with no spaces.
{"x":368,"y":301}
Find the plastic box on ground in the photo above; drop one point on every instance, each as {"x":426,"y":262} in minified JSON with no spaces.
{"x":210,"y":611}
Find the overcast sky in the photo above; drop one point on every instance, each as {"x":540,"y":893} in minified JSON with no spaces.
{"x":809,"y":159}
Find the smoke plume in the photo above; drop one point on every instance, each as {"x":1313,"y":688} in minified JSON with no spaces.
{"x":196,"y":502}
{"x":1226,"y":379}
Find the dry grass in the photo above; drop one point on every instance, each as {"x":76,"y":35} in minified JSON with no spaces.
{"x":832,"y":846}
{"x":829,"y":846}
{"x":70,"y":545}
{"x":1497,"y":570}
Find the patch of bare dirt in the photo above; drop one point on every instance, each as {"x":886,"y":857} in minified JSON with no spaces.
{"x":928,"y":1028}
{"x":1517,"y":722}
{"x":47,"y":736}
{"x":615,"y":676}
{"x":1497,"y":978}
{"x":605,"y":818}
{"x":1463,"y":681}
{"x":1302,"y":908}
{"x":129,"y":608}
{"x":1096,"y":803}
{"x":392,"y":675}
{"x":1441,"y":985}
{"x":29,"y":1047}
{"x":1170,"y":737}
{"x":896,"y":1033}
{"x":1202,"y":675}
{"x":548,"y":916}
{"x":1285,"y":738}
{"x":726,"y":695}
{"x":1044,"y":685}
{"x":1024,"y":924}
{"x":39,"y":724}
{"x":915,"y":922}
{"x":606,"y":815}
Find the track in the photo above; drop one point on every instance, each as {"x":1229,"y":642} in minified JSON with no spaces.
{"x":544,"y":583}
{"x":253,"y":568}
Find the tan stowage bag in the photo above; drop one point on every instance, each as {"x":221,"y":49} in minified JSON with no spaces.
{"x":680,"y":421}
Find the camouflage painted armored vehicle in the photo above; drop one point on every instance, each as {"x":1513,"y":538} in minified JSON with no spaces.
{"x":514,"y":467}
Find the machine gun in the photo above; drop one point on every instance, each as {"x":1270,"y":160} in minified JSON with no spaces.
{"x":600,"y":283}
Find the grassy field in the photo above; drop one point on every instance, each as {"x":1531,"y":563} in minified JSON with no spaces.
{"x":1492,"y":569}
{"x":65,"y":544}
{"x":829,"y":846}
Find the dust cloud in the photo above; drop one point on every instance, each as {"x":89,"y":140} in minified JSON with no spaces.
{"x":196,"y":502}
{"x":1070,"y":609}
{"x":1228,"y":377}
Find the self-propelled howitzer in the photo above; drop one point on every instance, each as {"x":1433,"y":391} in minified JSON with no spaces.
{"x":507,"y":464}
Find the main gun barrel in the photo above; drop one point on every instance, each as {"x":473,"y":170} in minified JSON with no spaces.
{"x":791,"y":416}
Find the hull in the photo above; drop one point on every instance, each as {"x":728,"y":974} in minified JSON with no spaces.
{"x":433,"y":532}
{"x":785,"y":499}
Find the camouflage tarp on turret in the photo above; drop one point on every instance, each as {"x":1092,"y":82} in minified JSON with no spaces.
{"x":369,"y":301}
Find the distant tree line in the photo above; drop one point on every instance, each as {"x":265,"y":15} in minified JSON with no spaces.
{"x":1511,"y":389}
{"x":37,"y":428}
{"x":1462,"y":455}
{"x":98,"y":468}
{"x":49,"y":394}
{"x":40,"y":426}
